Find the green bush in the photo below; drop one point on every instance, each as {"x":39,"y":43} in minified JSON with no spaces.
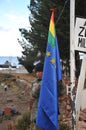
{"x":1,"y":119}
{"x":63,"y":126}
{"x":24,"y":122}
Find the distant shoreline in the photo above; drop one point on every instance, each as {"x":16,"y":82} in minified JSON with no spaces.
{"x":12,"y":59}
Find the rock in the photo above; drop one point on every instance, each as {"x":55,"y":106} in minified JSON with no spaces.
{"x":7,"y":111}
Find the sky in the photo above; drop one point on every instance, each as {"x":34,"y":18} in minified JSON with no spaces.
{"x":14,"y":14}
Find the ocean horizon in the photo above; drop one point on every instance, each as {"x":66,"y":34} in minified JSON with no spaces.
{"x":12,"y":59}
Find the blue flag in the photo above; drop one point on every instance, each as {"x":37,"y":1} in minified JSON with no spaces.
{"x":47,"y":115}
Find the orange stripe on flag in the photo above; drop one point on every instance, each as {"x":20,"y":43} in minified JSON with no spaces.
{"x":52,"y":28}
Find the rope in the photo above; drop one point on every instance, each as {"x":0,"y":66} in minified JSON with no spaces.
{"x":62,"y":11}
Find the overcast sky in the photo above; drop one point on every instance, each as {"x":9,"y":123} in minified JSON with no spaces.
{"x":13,"y":15}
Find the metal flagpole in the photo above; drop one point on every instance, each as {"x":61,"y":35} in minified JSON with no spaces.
{"x":72,"y":61}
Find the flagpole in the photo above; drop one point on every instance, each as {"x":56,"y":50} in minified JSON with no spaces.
{"x":72,"y":61}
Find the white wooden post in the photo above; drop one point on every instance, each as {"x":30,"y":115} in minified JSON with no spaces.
{"x":72,"y":61}
{"x":80,"y":87}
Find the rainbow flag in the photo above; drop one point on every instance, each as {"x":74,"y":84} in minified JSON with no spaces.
{"x":47,"y":115}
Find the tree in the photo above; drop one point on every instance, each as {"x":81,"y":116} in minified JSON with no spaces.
{"x":37,"y":35}
{"x":40,"y":24}
{"x":29,"y":55}
{"x":39,"y":20}
{"x":80,"y":9}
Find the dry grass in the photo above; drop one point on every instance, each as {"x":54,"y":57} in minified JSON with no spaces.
{"x":17,"y":96}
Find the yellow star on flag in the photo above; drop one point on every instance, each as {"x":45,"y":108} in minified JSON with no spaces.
{"x":48,"y":53}
{"x":53,"y":60}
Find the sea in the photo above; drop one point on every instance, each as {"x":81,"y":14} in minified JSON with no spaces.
{"x":12,"y":59}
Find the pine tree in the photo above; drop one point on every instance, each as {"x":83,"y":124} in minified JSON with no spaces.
{"x":37,"y":35}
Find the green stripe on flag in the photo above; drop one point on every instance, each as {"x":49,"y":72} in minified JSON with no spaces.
{"x":51,"y":39}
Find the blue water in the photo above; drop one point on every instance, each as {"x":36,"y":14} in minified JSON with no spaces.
{"x":12,"y":59}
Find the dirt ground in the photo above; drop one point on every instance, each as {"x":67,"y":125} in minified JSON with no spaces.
{"x":17,"y":96}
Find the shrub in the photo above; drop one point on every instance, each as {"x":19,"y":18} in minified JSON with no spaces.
{"x":24,"y":122}
{"x":63,"y":126}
